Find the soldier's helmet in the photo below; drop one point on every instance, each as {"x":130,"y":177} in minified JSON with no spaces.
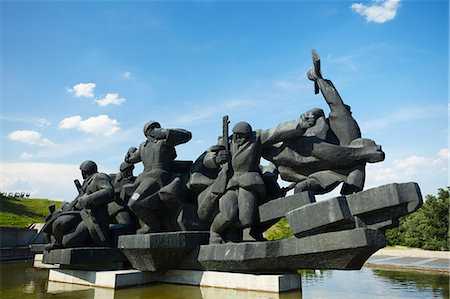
{"x":242,"y":128}
{"x":152,"y":123}
{"x":124,"y":166}
{"x":88,"y":167}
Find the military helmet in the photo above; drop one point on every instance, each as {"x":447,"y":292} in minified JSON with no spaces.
{"x":153,"y":123}
{"x":88,"y":167}
{"x":242,"y":128}
{"x":126,"y":165}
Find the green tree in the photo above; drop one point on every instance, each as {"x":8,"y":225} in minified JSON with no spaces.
{"x":428,"y":227}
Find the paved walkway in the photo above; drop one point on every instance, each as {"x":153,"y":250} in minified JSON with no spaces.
{"x":412,"y":259}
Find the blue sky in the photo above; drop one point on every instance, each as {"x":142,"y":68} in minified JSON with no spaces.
{"x":79,"y":79}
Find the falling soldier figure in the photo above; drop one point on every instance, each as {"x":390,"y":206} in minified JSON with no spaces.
{"x":157,"y":154}
{"x":84,"y":221}
{"x":331,"y":152}
{"x":244,"y":186}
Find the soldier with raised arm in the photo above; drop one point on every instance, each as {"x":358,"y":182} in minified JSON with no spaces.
{"x":157,"y":153}
{"x":244,"y":186}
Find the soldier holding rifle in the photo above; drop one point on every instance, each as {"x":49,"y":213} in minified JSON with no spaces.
{"x":83,"y":222}
{"x":239,"y":184}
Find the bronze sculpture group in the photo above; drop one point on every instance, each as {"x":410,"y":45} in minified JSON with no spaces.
{"x":226,"y":184}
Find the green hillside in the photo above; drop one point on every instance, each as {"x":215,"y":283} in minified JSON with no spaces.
{"x":21,"y":212}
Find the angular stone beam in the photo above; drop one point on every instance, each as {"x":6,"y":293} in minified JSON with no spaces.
{"x":344,"y":250}
{"x":92,"y":258}
{"x":277,"y":208}
{"x":377,"y":208}
{"x":160,"y":251}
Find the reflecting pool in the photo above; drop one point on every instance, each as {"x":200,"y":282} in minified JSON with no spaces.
{"x":21,"y":280}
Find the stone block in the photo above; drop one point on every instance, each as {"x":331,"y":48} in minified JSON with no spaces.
{"x":380,"y":207}
{"x":106,"y":279}
{"x":377,"y":208}
{"x":318,"y":217}
{"x":160,"y":251}
{"x":277,"y":208}
{"x":37,"y":262}
{"x":342,"y":250}
{"x":92,"y":258}
{"x":275,"y":283}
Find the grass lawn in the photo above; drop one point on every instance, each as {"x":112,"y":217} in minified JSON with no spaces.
{"x":22,"y":212}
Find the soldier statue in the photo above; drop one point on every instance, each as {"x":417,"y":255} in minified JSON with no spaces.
{"x":239,"y":185}
{"x":158,"y":185}
{"x":84,"y":221}
{"x":329,"y":153}
{"x":117,"y":209}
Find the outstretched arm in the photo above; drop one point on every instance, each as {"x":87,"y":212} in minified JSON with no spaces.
{"x":133,"y":157}
{"x":290,"y":129}
{"x":172,"y":136}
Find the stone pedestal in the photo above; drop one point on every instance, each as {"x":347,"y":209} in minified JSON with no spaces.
{"x":274,"y":283}
{"x":89,"y":258}
{"x":37,"y":262}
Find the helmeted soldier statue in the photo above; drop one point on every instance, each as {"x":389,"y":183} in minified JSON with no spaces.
{"x":157,"y":153}
{"x":84,"y":221}
{"x":118,"y":210}
{"x":244,"y":186}
{"x":330,"y":153}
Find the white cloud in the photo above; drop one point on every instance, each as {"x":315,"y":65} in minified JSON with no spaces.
{"x":26,"y":156}
{"x":444,"y":154}
{"x":126,"y":74}
{"x":110,"y":99}
{"x":42,"y":180}
{"x":30,"y":137}
{"x":100,"y":125}
{"x":430,"y":172}
{"x":42,"y":122}
{"x":83,"y":90}
{"x":379,"y":11}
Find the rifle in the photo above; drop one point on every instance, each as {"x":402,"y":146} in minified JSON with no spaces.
{"x":67,"y":208}
{"x":220,"y":184}
{"x":94,"y":229}
{"x":225,"y":123}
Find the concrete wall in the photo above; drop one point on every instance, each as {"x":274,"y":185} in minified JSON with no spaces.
{"x":16,"y":237}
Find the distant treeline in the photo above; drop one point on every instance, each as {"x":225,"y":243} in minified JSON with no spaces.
{"x":428,"y":227}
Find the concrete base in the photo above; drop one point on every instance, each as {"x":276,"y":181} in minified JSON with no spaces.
{"x":125,"y":278}
{"x":37,"y":263}
{"x":88,"y":258}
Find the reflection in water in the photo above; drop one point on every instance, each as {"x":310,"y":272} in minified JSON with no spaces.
{"x":368,"y":282}
{"x":439,"y":283}
{"x":21,"y":280}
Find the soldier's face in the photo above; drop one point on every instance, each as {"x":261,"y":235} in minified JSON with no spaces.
{"x":84,"y":174}
{"x":127,"y":172}
{"x":150,"y":130}
{"x":240,"y":138}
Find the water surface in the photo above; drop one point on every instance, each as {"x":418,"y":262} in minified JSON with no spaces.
{"x":21,"y":280}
